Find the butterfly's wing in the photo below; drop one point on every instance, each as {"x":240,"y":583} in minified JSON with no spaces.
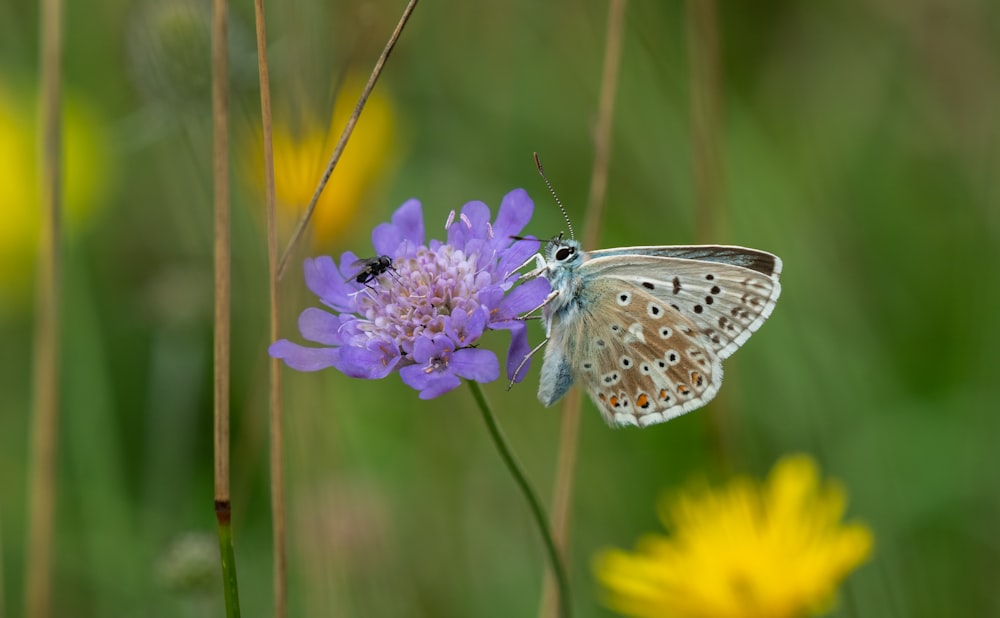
{"x":642,"y":361}
{"x":727,"y":292}
{"x":762,"y":262}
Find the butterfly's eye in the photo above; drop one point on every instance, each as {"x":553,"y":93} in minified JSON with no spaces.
{"x":564,"y":253}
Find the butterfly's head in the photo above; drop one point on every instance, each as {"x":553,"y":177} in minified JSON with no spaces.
{"x":561,"y":252}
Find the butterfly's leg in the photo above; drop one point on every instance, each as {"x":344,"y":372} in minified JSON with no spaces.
{"x":539,"y":267}
{"x":524,"y":361}
{"x":548,"y":299}
{"x":533,"y":258}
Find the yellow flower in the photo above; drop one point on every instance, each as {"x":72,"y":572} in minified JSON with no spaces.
{"x":301,"y":156}
{"x":750,"y":550}
{"x":86,"y":176}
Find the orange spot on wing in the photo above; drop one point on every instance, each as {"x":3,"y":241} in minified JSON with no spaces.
{"x":642,"y":401}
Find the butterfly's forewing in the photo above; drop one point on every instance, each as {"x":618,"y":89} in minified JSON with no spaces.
{"x":727,"y":292}
{"x":763,"y":262}
{"x":642,"y":361}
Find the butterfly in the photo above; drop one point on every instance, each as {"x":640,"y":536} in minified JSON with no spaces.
{"x":368,"y":269}
{"x":645,"y":329}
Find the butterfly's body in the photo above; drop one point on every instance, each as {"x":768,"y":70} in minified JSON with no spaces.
{"x":645,"y":329}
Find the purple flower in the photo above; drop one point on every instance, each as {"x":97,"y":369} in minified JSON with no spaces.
{"x":425,"y":314}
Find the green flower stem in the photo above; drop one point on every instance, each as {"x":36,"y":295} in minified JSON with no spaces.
{"x":228,"y":560}
{"x":536,"y":506}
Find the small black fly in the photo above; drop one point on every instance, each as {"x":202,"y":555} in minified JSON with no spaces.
{"x":371,"y":268}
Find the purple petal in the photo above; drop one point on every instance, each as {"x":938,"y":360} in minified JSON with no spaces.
{"x":475,"y":364}
{"x":518,"y":351}
{"x":321,"y":326}
{"x":490,"y":297}
{"x":477,"y":245}
{"x":325,"y":281}
{"x":348,"y":270}
{"x":515,"y":212}
{"x":477,"y":324}
{"x":430,"y":385}
{"x":516,"y":255}
{"x":369,"y":363}
{"x":478,"y":215}
{"x":464,"y":329}
{"x":407,"y":225}
{"x":415,"y":376}
{"x":425,"y":348}
{"x":522,"y":299}
{"x":350,"y":331}
{"x":302,"y":358}
{"x":483,"y":280}
{"x":458,"y":320}
{"x":472,"y":223}
{"x":441,"y":384}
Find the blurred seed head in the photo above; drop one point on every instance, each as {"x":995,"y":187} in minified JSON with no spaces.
{"x":176,"y":295}
{"x":190,"y":565}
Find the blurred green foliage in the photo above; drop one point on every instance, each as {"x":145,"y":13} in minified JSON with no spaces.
{"x":862,"y":145}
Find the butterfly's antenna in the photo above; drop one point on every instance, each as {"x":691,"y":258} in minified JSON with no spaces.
{"x":548,"y":184}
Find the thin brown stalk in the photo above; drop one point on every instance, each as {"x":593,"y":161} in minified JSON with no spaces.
{"x":223,"y":283}
{"x":706,"y":118}
{"x":45,"y":417}
{"x":709,"y":165}
{"x":220,"y":159}
{"x":277,"y":444}
{"x":344,"y":136}
{"x":605,"y":119}
{"x":570,"y":429}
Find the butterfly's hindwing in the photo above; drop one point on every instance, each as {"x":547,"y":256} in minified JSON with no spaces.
{"x":557,"y":369}
{"x":642,"y":361}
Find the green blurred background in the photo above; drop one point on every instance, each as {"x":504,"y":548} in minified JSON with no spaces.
{"x":861,"y":144}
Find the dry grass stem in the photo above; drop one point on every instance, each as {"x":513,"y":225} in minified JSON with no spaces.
{"x":45,"y":417}
{"x":223,"y":284}
{"x":570,"y":428}
{"x":279,"y":537}
{"x":344,"y":136}
{"x":706,"y":115}
{"x":705,"y":71}
{"x":223,"y":241}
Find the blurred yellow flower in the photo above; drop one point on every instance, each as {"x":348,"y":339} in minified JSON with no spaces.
{"x":301,"y":156}
{"x":86,"y":171}
{"x":750,"y":550}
